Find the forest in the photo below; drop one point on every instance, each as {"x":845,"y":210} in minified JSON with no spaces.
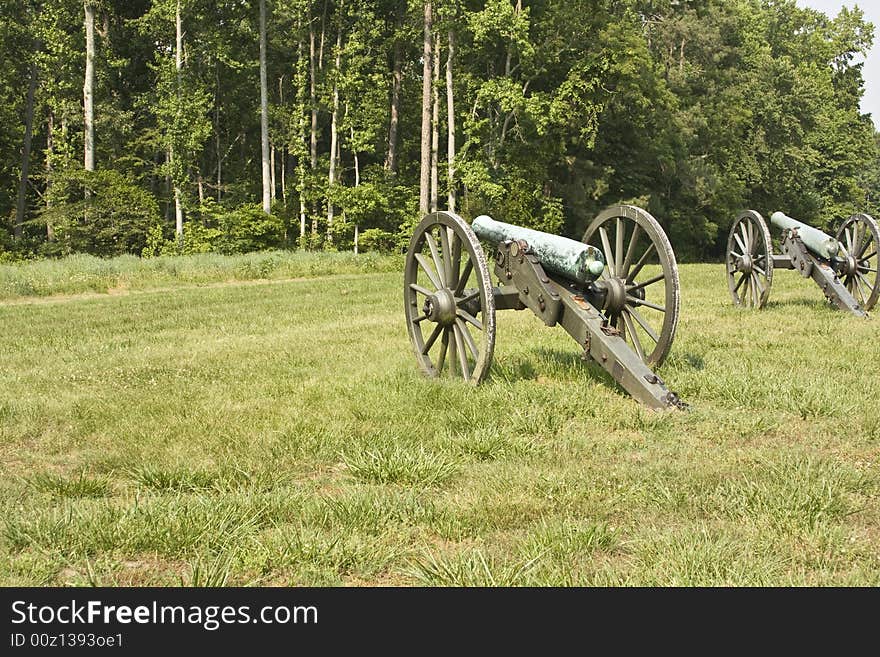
{"x":157,"y":127}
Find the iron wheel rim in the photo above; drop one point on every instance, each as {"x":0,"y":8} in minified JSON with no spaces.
{"x":443,"y":261}
{"x":749,"y":238}
{"x":860,"y":235}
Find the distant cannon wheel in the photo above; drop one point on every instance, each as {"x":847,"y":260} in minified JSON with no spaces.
{"x":449,"y":305}
{"x":860,"y":237}
{"x":749,"y":260}
{"x":641,"y":279}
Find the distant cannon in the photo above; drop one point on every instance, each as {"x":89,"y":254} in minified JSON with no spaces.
{"x":844,"y":267}
{"x":616,"y":293}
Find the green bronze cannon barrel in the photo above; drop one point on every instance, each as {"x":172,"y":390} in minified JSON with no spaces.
{"x":574,"y":260}
{"x":819,"y":243}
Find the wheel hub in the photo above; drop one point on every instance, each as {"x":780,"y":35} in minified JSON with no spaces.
{"x":615,"y":295}
{"x":440,"y":307}
{"x":850,"y":265}
{"x":745,"y":264}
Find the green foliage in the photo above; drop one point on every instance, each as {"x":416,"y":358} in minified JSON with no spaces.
{"x":221,"y":230}
{"x":694,"y":109}
{"x":99,"y":212}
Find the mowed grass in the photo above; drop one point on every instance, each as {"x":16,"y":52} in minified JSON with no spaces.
{"x":279,"y":433}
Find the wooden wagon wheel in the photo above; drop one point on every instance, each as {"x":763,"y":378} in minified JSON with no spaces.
{"x":749,"y":260}
{"x":860,"y":236}
{"x":449,"y":305}
{"x":638,"y":257}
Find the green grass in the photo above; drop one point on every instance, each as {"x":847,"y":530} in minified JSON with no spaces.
{"x":278,"y":433}
{"x":84,"y":273}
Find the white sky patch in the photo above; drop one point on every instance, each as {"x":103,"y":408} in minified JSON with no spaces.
{"x":871,"y":71}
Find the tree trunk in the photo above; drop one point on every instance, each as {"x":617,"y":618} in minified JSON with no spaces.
{"x":435,"y":125}
{"x":301,"y":124}
{"x":283,"y":149}
{"x":357,"y":166}
{"x":334,"y":137}
{"x":396,"y":81}
{"x":178,"y":64}
{"x":89,"y":89}
{"x":217,"y":129}
{"x":25,"y":154}
{"x":313,"y":137}
{"x":50,"y":169}
{"x":323,"y":32}
{"x":264,"y":114}
{"x":427,"y":69}
{"x":272,"y":184}
{"x":450,"y":125}
{"x":357,"y":182}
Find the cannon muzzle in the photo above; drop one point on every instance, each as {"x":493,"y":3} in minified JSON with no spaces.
{"x":573,"y":260}
{"x":819,"y":243}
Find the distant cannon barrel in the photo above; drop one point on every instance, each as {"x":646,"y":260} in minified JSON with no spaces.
{"x":566,"y":257}
{"x":819,"y":243}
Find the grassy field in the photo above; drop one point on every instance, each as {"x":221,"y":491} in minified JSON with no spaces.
{"x":279,"y":433}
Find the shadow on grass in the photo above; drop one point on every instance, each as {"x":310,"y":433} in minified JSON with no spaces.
{"x":546,"y":362}
{"x":815,"y":304}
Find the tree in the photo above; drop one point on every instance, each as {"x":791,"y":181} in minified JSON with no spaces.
{"x":264,"y":115}
{"x":427,"y":73}
{"x":89,"y":88}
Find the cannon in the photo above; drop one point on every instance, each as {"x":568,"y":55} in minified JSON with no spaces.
{"x":844,"y":267}
{"x":616,"y":293}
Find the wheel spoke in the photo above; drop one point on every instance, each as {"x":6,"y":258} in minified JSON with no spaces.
{"x":420,"y":318}
{"x":432,"y":339}
{"x":630,"y":251}
{"x":759,"y":270}
{"x":758,"y":286}
{"x":739,"y":285}
{"x":869,"y":256}
{"x":641,"y":263}
{"x":756,"y":289}
{"x":462,"y":356}
{"x":856,"y":290}
{"x":742,"y":244}
{"x":609,"y":254}
{"x":447,"y":257}
{"x":641,"y":302}
{"x":441,"y":357}
{"x":848,"y":233}
{"x":862,"y":280}
{"x":456,"y":260}
{"x":426,"y":267}
{"x":750,"y":230}
{"x":860,"y":234}
{"x":635,"y":338}
{"x":467,"y":299}
{"x":641,"y":320}
{"x":650,"y":281}
{"x":435,"y":256}
{"x":745,"y":289}
{"x":468,"y":338}
{"x":453,"y":353}
{"x":469,"y":318}
{"x":465,"y":275}
{"x":619,"y":231}
{"x":420,"y":289}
